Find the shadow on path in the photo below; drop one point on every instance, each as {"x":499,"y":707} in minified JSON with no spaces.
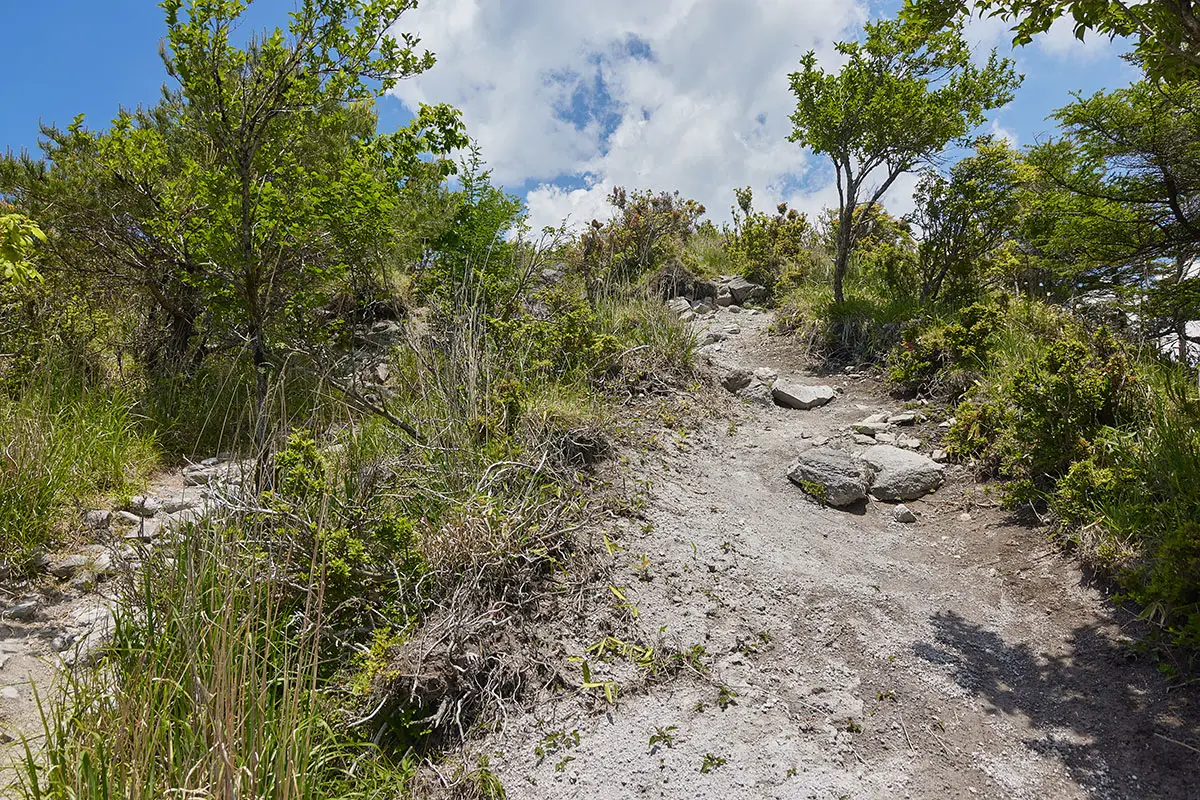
{"x":1099,"y":714}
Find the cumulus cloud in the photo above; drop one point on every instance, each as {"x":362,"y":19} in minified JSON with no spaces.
{"x":569,"y":98}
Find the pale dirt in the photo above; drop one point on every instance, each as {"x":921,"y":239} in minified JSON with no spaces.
{"x":955,"y":657}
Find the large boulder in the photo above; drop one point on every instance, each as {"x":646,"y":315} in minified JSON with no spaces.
{"x":833,"y":476}
{"x":742,"y":290}
{"x":901,"y":474}
{"x":801,"y":396}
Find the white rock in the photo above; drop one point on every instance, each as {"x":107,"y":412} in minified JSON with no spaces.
{"x":902,"y":474}
{"x":843,"y":477}
{"x":941,"y":456}
{"x":801,"y":396}
{"x":905,"y":418}
{"x":766,"y":375}
{"x":679,"y":305}
{"x":733,"y":330}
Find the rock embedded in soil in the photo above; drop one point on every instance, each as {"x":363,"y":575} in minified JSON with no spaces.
{"x":766,"y":375}
{"x":833,"y":476}
{"x":97,"y":519}
{"x":679,"y":305}
{"x":869,"y":428}
{"x":742,"y":290}
{"x":904,"y":514}
{"x":902,"y":474}
{"x":65,"y":566}
{"x":144,"y":506}
{"x":737,"y":379}
{"x":802,"y":397}
{"x":759,"y":394}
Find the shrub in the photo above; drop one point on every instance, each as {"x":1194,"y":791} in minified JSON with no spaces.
{"x":950,"y":354}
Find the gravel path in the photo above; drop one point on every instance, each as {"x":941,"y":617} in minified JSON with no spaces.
{"x":960,"y":656}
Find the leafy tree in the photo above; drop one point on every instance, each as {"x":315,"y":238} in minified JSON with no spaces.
{"x":966,"y":217}
{"x":18,"y":235}
{"x":903,"y":94}
{"x":1167,"y":31}
{"x":769,"y":248}
{"x":1129,"y":164}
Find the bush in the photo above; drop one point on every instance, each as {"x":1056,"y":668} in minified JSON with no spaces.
{"x":947,"y":355}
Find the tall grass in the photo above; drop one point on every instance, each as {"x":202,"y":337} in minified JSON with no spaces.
{"x":212,"y":686}
{"x":57,"y":451}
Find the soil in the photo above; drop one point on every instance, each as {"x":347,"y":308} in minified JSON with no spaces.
{"x":960,"y":656}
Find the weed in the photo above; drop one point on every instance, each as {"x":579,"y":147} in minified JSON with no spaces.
{"x":664,"y":736}
{"x":726,"y":697}
{"x":712,"y":762}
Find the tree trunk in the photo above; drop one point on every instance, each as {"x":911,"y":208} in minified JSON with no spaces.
{"x":845,"y":241}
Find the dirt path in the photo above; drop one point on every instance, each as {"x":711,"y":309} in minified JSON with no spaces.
{"x":960,"y":656}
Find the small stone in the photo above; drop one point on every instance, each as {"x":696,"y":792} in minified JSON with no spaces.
{"x":906,"y":418}
{"x":687,"y":316}
{"x":703,"y":309}
{"x":733,"y":330}
{"x":885,"y":438}
{"x":909,"y":442}
{"x":904,"y":514}
{"x":705,"y":338}
{"x":10,"y":693}
{"x":22,"y":612}
{"x":766,"y":375}
{"x":737,"y":379}
{"x":201,"y":477}
{"x":84,"y":581}
{"x":97,"y":519}
{"x":882,"y":416}
{"x":869,"y":428}
{"x":147,"y":531}
{"x":863,"y":439}
{"x":802,"y":397}
{"x":947,"y":423}
{"x":211,"y":462}
{"x":806,"y":434}
{"x":964,"y":517}
{"x":759,"y":394}
{"x":173,"y":505}
{"x":66,"y":566}
{"x":679,"y":304}
{"x":734,"y":309}
{"x":128,"y":518}
{"x":941,"y":456}
{"x":144,"y":506}
{"x":724,"y":298}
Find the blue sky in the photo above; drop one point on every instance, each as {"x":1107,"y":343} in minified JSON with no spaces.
{"x":566,"y":97}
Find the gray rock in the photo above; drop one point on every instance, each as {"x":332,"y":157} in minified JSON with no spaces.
{"x":734,"y":309}
{"x":766,"y":375}
{"x":703,"y":309}
{"x":862,"y":438}
{"x":10,"y":693}
{"x":687,"y":316}
{"x":742,"y":290}
{"x":904,"y":514}
{"x":941,"y":456}
{"x":902,"y":474}
{"x":128,"y":518}
{"x":801,"y":396}
{"x":905,"y":418}
{"x":841,"y":476}
{"x":96,"y":519}
{"x":85,"y":580}
{"x":679,"y":305}
{"x":144,"y":506}
{"x":733,"y":330}
{"x":759,"y":394}
{"x":885,"y":438}
{"x":737,"y":379}
{"x":868,"y":428}
{"x":908,"y":442}
{"x":22,"y":612}
{"x":724,"y":298}
{"x":147,"y":531}
{"x":882,"y":416}
{"x":705,"y":338}
{"x":173,"y":505}
{"x":66,"y":566}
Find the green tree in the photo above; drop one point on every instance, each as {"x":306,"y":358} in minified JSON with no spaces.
{"x":1167,"y":32}
{"x":18,"y":236}
{"x":965,"y":217}
{"x":1128,"y":168}
{"x":904,"y":93}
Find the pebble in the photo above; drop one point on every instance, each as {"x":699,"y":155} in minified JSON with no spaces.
{"x":144,"y":506}
{"x":22,"y":612}
{"x":904,"y":514}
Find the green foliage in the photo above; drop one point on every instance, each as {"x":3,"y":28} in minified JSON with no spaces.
{"x":18,"y":235}
{"x":902,"y":95}
{"x":1166,"y":32}
{"x":776,"y":252}
{"x":965,"y":218}
{"x":649,"y":232}
{"x":947,"y":353}
{"x":59,"y":449}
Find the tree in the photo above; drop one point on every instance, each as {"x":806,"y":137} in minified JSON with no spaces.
{"x":965,"y":217}
{"x":904,"y":93}
{"x":1130,"y":159}
{"x":1167,"y":31}
{"x":18,"y":236}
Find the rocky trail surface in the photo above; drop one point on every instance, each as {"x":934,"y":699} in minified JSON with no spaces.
{"x":848,"y":654}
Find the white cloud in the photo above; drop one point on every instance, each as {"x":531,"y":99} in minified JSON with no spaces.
{"x":1060,"y":42}
{"x":562,"y":89}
